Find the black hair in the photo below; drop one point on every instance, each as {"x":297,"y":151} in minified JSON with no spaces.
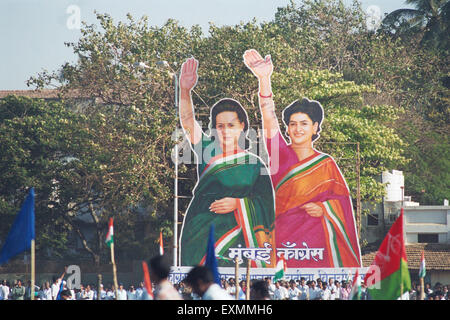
{"x":66,"y":293}
{"x":201,"y":273}
{"x":260,"y":287}
{"x":312,"y":108}
{"x":160,"y":266}
{"x":232,"y":105}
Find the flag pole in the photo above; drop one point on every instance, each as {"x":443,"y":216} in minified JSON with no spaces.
{"x":247,"y":293}
{"x":401,"y":289}
{"x":114,"y":270}
{"x":33,"y":279}
{"x":236,"y":275}
{"x":422,"y":289}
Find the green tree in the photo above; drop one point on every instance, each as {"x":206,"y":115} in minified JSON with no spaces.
{"x":430,"y":19}
{"x":36,"y":141}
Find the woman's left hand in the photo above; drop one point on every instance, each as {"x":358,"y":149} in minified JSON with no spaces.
{"x":224,"y":205}
{"x":314,"y":210}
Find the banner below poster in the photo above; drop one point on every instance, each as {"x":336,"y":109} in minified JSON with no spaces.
{"x":340,"y":274}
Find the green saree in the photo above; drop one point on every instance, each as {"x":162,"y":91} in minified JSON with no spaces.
{"x":241,"y":175}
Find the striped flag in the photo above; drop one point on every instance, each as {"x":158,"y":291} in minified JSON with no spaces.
{"x":422,"y":271}
{"x":355,"y":294}
{"x":161,"y":246}
{"x":110,"y":235}
{"x":280,"y":269}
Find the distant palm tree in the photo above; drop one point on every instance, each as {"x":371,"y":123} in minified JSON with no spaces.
{"x":431,"y":19}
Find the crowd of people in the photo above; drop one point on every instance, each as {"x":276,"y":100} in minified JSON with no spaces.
{"x":259,"y":290}
{"x":20,"y":291}
{"x":199,"y":284}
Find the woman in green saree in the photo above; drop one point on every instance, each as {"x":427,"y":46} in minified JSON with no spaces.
{"x":234,"y":190}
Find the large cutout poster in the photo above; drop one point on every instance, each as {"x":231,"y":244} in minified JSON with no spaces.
{"x":299,"y":207}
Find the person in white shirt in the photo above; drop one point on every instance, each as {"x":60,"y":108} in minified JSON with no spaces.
{"x":270,"y":286}
{"x":332,"y":287}
{"x":280,"y":293}
{"x":314,"y":292}
{"x":304,"y":289}
{"x":81,"y":293}
{"x":6,"y":290}
{"x":232,"y":290}
{"x":46,"y":292}
{"x":325,"y":293}
{"x":57,"y":284}
{"x":201,"y":280}
{"x":102,"y":292}
{"x":110,"y":294}
{"x":293,"y":293}
{"x":121,"y":293}
{"x":227,"y":287}
{"x":140,"y":291}
{"x":89,"y":293}
{"x":131,"y":294}
{"x":55,"y":288}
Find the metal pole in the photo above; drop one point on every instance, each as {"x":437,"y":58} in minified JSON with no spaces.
{"x":175,"y":206}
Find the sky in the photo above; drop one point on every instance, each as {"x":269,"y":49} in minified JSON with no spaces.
{"x":33,"y":32}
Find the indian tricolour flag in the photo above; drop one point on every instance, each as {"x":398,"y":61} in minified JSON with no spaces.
{"x":355,"y":294}
{"x":280,"y":269}
{"x":422,"y":271}
{"x":110,"y":235}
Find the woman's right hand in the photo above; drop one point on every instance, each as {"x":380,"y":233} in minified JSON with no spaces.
{"x":224,"y":205}
{"x":188,"y":76}
{"x":313,"y":209}
{"x":261,"y":67}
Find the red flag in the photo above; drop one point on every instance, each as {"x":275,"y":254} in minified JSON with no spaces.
{"x":161,"y":247}
{"x":388,"y":276}
{"x":147,"y":282}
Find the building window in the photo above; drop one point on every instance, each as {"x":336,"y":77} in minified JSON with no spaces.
{"x":427,"y":238}
{"x":372,"y":219}
{"x":392,"y":218}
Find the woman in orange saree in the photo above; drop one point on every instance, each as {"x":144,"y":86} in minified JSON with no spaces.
{"x":314,"y":224}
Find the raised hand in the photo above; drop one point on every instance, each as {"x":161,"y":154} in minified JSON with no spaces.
{"x":188,"y":76}
{"x":261,"y":67}
{"x":224,"y":205}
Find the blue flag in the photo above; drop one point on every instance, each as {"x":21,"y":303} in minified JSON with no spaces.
{"x":61,"y":286}
{"x":22,"y":231}
{"x":211,"y":261}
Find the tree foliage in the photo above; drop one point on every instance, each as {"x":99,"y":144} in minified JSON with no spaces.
{"x":376,"y":89}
